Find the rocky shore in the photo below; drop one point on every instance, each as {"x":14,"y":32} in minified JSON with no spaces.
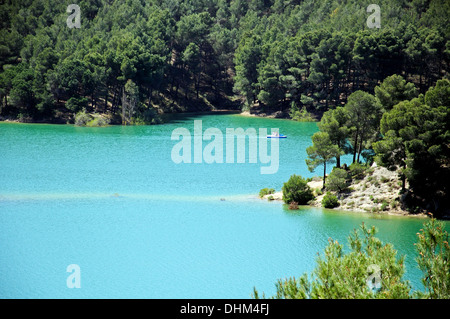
{"x":378,"y":192}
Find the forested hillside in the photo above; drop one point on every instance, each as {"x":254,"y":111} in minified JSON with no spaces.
{"x":133,"y":58}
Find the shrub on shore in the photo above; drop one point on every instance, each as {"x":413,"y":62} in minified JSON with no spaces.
{"x":99,"y":121}
{"x":337,"y":181}
{"x":357,"y":171}
{"x":82,"y":118}
{"x":85,"y":119}
{"x":330,"y":201}
{"x":266,"y":191}
{"x":296,"y":190}
{"x":373,"y":270}
{"x":301,"y":115}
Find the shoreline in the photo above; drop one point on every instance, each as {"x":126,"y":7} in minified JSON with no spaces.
{"x":211,"y":198}
{"x":275,"y":116}
{"x":277,"y":197}
{"x":378,"y":193}
{"x":167,"y":115}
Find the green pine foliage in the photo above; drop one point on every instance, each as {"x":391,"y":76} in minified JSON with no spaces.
{"x":396,"y":128}
{"x":337,"y":181}
{"x":370,"y":269}
{"x":330,"y":201}
{"x":434,"y":260}
{"x":350,"y":275}
{"x":189,"y":55}
{"x":416,"y":136}
{"x":300,"y":115}
{"x":296,"y":190}
{"x":322,"y":152}
{"x":266,"y":191}
{"x":357,"y":171}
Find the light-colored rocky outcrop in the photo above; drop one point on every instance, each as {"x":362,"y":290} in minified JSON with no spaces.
{"x":377,"y":192}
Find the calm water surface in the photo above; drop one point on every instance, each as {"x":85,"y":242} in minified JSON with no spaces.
{"x":112,"y":201}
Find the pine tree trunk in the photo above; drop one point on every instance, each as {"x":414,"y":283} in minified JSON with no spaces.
{"x":150,"y":93}
{"x":359,"y":153}
{"x":355,"y":147}
{"x":124,"y":107}
{"x":106,"y":101}
{"x":197,"y":87}
{"x":114,"y":100}
{"x":403,"y":178}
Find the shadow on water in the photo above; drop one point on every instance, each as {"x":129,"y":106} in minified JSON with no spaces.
{"x":181,"y":118}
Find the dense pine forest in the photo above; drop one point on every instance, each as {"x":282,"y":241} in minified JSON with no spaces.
{"x":131,"y":60}
{"x":381,"y":93}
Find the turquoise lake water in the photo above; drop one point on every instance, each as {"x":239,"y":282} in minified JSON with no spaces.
{"x":112,"y":201}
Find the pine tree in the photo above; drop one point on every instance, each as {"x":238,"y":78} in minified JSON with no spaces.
{"x":370,"y":270}
{"x":322,"y":152}
{"x":334,"y":122}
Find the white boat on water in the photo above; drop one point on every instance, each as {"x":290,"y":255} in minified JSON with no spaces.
{"x":276,"y":135}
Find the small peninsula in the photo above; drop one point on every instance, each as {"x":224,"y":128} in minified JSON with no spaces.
{"x":379,"y":191}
